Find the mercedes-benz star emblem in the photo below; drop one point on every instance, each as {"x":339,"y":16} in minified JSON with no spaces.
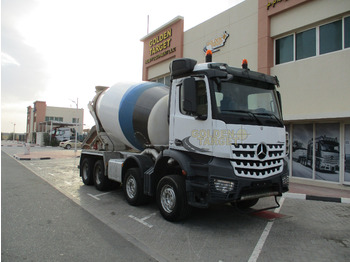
{"x":261,"y":151}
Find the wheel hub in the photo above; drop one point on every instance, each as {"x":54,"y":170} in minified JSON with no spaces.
{"x":168,"y":198}
{"x":131,"y":187}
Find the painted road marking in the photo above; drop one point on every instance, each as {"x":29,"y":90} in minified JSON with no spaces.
{"x":142,"y":220}
{"x":259,"y":246}
{"x":97,"y":196}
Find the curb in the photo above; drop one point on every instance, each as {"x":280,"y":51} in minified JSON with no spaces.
{"x":32,"y":145}
{"x":342,"y":200}
{"x":30,"y":158}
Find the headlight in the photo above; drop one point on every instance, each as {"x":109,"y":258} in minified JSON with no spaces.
{"x":223,"y":185}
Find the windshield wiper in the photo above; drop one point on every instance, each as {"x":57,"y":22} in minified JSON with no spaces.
{"x":273,"y":116}
{"x":247,"y":112}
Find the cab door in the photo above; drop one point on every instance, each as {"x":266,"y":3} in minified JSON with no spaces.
{"x":191,"y":116}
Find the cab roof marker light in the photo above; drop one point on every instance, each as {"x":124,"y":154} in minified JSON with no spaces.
{"x":245,"y":64}
{"x":208,"y":56}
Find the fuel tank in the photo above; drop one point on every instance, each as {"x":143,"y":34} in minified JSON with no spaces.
{"x":135,"y":115}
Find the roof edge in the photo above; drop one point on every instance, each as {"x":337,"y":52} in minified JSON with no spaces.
{"x":172,"y":21}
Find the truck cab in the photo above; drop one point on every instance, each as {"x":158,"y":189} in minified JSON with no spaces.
{"x":228,"y":122}
{"x":216,"y":136}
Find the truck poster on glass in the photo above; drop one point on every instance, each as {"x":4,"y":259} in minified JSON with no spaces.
{"x":347,"y":154}
{"x":301,"y":151}
{"x":327,"y":152}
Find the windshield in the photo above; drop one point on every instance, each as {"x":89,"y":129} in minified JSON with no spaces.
{"x":246,"y":102}
{"x":329,"y":147}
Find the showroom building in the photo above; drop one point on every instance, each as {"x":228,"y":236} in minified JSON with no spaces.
{"x":306,"y":43}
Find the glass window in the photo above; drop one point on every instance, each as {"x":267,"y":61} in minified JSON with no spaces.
{"x":302,"y":151}
{"x":347,"y":154}
{"x":306,"y":44}
{"x":202,"y":102}
{"x":331,"y":37}
{"x":284,"y":49}
{"x":167,"y":80}
{"x":347,"y":32}
{"x":327,"y":152}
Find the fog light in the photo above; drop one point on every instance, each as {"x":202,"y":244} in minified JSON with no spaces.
{"x":223,"y":185}
{"x":285,"y":180}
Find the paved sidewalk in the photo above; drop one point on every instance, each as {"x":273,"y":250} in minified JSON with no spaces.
{"x":315,"y":190}
{"x":42,"y":155}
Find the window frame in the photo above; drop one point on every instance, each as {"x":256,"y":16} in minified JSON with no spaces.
{"x":317,"y":40}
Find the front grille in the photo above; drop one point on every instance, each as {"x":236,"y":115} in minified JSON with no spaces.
{"x":248,"y":163}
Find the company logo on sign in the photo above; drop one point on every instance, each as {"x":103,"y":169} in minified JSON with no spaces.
{"x":273,"y":3}
{"x":215,"y":44}
{"x":160,"y":46}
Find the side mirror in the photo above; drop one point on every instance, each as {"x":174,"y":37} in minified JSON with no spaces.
{"x":190,"y":100}
{"x":279,"y":100}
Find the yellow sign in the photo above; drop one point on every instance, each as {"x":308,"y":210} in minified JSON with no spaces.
{"x":273,"y":3}
{"x":166,"y":52}
{"x":160,"y":42}
{"x":216,"y":43}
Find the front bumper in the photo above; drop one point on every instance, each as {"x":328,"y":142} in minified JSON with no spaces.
{"x":222,"y":186}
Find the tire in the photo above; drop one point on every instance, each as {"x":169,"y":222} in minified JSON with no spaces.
{"x":68,"y":146}
{"x":133,"y":188}
{"x":172,"y":199}
{"x":86,"y":168}
{"x":245,"y":204}
{"x":102,"y":183}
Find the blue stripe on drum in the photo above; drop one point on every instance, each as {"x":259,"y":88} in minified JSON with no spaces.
{"x":126,"y":110}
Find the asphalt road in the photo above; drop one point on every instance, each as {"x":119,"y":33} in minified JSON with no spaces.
{"x":41,"y":224}
{"x":306,"y":231}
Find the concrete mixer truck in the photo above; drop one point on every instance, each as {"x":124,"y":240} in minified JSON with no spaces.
{"x":215,"y":136}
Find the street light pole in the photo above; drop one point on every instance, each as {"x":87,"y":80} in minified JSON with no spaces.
{"x":76,"y":128}
{"x":76,"y":124}
{"x":14,"y":131}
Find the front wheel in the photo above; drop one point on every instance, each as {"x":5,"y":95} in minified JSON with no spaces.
{"x":171,"y":198}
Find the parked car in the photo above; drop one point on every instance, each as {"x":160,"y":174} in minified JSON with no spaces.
{"x":70,"y":144}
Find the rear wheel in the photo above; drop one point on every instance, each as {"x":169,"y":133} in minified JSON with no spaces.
{"x":86,"y":169}
{"x":101,"y":182}
{"x":68,"y":146}
{"x":133,"y":188}
{"x":171,"y":198}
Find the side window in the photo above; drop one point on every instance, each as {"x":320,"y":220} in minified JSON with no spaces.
{"x":201,"y":99}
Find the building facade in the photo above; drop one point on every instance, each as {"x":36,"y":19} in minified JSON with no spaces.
{"x":43,"y":118}
{"x":306,"y":43}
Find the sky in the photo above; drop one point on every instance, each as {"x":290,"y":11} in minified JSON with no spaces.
{"x":58,"y":50}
